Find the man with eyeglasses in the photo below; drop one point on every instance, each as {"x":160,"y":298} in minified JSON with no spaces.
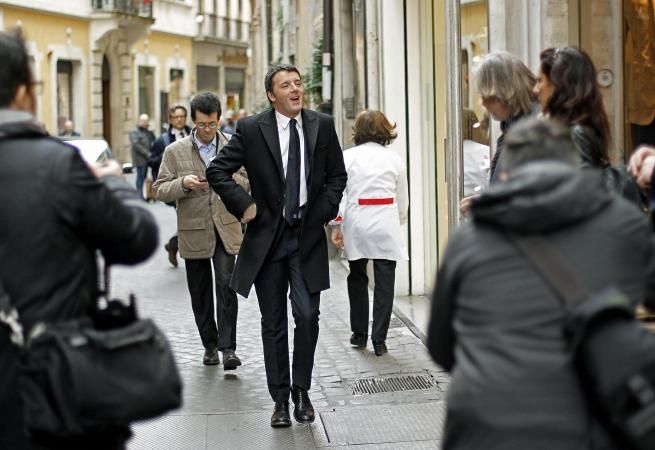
{"x":177,"y":129}
{"x":209,"y":236}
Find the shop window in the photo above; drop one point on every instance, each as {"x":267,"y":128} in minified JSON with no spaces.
{"x":64,"y":92}
{"x":475,"y":119}
{"x":176,"y":80}
{"x":234,"y":82}
{"x":207,"y":78}
{"x":146,"y":91}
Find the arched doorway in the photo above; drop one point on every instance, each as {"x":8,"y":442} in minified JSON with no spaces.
{"x":106,"y":100}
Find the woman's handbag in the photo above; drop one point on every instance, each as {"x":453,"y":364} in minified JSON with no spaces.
{"x":93,"y":372}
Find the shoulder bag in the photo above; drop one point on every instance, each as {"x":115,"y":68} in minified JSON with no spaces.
{"x":613,"y":353}
{"x":110,"y":368}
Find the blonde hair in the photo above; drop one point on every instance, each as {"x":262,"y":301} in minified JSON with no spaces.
{"x":502,"y":75}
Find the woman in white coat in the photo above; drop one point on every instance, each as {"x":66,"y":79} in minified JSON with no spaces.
{"x":373,"y":207}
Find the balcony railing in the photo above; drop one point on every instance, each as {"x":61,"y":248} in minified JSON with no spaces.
{"x":141,"y":8}
{"x":224,"y":28}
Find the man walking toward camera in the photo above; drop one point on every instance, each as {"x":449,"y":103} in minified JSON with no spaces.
{"x":209,"y":236}
{"x":177,"y":129}
{"x":297,"y":175}
{"x":141,"y":139}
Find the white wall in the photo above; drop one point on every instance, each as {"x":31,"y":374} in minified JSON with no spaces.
{"x":393,"y":101}
{"x":174,"y":17}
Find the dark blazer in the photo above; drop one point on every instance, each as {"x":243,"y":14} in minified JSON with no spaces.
{"x":256,"y":146}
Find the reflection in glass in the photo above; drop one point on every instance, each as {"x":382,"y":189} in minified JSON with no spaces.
{"x":475,"y":120}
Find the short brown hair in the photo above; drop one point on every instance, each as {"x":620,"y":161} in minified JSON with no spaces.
{"x":373,"y":126}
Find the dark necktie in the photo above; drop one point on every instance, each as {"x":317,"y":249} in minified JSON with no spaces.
{"x":292,"y":186}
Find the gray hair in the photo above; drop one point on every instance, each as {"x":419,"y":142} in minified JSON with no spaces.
{"x":502,"y":75}
{"x":535,"y":139}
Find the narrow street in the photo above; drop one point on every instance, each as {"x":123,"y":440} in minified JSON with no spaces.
{"x":392,"y":401}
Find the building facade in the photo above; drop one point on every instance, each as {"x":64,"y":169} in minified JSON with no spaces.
{"x":104,"y":62}
{"x":413,"y":60}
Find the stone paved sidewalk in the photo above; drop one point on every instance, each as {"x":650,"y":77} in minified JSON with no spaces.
{"x":232,"y":409}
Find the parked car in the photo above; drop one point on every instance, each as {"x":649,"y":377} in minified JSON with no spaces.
{"x":95,"y":150}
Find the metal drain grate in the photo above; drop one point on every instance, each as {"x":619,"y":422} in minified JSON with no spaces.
{"x":400,"y":383}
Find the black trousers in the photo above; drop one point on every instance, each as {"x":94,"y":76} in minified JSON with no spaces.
{"x":220,"y":333}
{"x":281,"y":274}
{"x":384,"y":273}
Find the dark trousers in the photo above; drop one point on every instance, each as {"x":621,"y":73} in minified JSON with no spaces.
{"x":199,"y":278}
{"x":279,"y":274}
{"x":141,"y":172}
{"x":384,"y":273}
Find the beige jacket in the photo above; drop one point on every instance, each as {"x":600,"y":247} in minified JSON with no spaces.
{"x":198,"y":212}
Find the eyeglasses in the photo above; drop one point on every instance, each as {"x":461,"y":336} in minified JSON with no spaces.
{"x":211,"y":125}
{"x":181,"y":116}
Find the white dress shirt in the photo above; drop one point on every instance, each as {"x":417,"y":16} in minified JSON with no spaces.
{"x":283,"y":133}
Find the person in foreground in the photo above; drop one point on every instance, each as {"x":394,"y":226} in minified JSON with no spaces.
{"x":497,"y":325}
{"x":297,"y":176}
{"x":209,"y":236}
{"x":372,"y":210}
{"x":57,"y":212}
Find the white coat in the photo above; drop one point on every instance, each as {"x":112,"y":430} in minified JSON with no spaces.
{"x":373,"y":231}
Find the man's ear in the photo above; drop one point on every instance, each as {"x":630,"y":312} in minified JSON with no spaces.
{"x":23,"y":99}
{"x":271,"y":97}
{"x":503,"y":176}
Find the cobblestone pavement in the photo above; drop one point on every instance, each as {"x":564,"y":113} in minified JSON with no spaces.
{"x":232,"y":409}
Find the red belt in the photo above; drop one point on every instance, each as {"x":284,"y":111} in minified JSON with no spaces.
{"x":376,"y":201}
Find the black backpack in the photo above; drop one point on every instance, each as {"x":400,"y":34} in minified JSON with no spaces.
{"x":613,"y":353}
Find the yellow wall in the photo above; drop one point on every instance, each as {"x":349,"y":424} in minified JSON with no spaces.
{"x":45,"y":30}
{"x":162,"y":47}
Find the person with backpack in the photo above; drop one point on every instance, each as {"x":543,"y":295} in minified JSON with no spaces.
{"x":497,"y":324}
{"x":177,"y":129}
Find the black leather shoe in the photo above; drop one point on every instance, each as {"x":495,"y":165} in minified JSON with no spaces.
{"x":280,"y":417}
{"x":230,"y":360}
{"x":303,"y":410}
{"x":172,"y":254}
{"x":380,"y":348}
{"x":211,"y":357}
{"x":358,"y":340}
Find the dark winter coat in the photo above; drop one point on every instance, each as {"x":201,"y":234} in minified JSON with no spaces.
{"x":158,"y":147}
{"x":141,"y":140}
{"x":497,"y":326}
{"x":615,"y":178}
{"x":256,"y":146}
{"x":55,"y":215}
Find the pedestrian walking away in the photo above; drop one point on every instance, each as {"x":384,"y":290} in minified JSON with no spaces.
{"x":141,"y":139}
{"x":177,"y":129}
{"x":209,"y":236}
{"x":497,"y":324}
{"x":57,"y":212}
{"x":297,"y":176}
{"x":373,"y":208}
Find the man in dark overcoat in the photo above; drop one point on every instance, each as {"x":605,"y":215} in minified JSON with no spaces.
{"x":297,"y":177}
